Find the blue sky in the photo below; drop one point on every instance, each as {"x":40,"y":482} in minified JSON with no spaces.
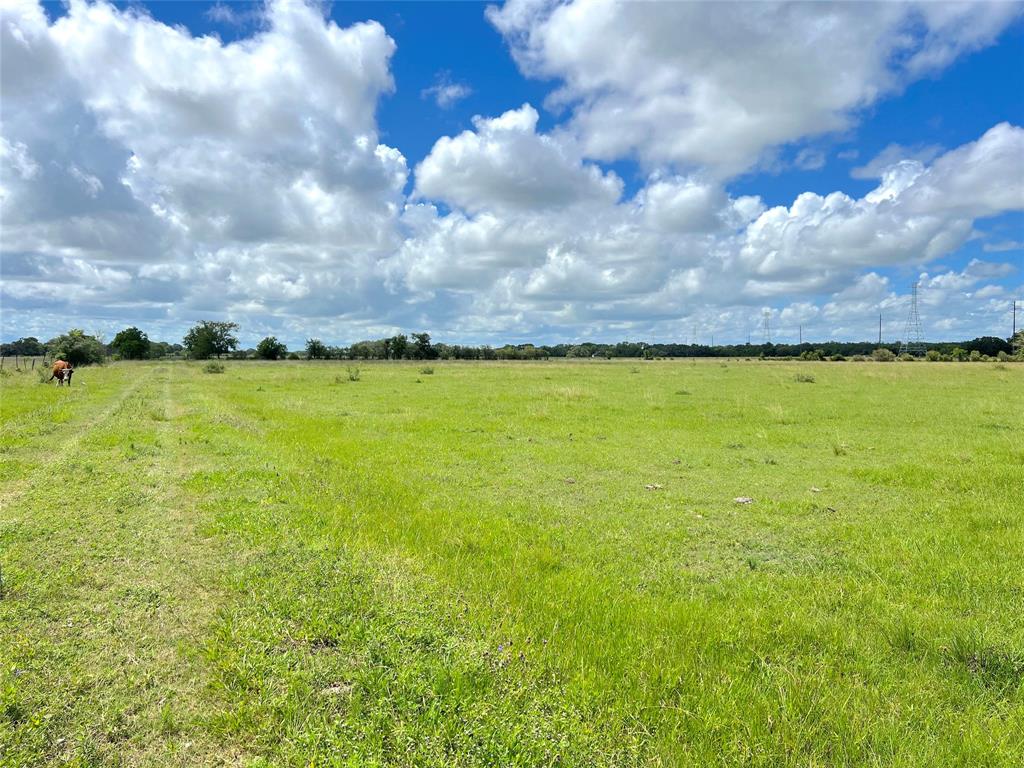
{"x":538,"y":171}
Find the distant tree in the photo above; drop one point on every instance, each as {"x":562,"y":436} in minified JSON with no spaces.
{"x":77,"y":348}
{"x":131,"y":344}
{"x":316,"y":349}
{"x":1017,"y":341}
{"x":28,"y":346}
{"x":398,"y":346}
{"x":210,"y":337}
{"x":158,"y":349}
{"x":271,"y":349}
{"x":422,"y":348}
{"x":988,"y":345}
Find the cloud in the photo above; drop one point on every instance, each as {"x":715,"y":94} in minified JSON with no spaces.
{"x":676,"y":83}
{"x":681,"y":246}
{"x":1004,"y":245}
{"x":808,"y":159}
{"x":893,"y":155}
{"x":446,"y":93}
{"x":155,"y":177}
{"x":505,"y":164}
{"x":251,"y":171}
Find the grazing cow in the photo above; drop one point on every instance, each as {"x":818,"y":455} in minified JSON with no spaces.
{"x":61,"y":371}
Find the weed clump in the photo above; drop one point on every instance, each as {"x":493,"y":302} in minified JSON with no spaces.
{"x":804,"y":378}
{"x":427,"y":370}
{"x":213,"y":366}
{"x":353,"y":373}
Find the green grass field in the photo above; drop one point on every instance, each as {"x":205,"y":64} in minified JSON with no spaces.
{"x":530,"y":564}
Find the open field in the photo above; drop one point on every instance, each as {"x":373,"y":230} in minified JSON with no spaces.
{"x":514,"y":564}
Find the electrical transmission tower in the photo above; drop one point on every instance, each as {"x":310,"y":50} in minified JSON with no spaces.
{"x":766,"y":327}
{"x":913,"y":343}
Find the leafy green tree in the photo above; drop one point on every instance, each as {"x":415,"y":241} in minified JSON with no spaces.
{"x":158,"y":349}
{"x":271,"y":349}
{"x":210,"y":337}
{"x":77,"y":348}
{"x":28,"y":346}
{"x":398,"y":346}
{"x":422,"y":348}
{"x":131,"y":344}
{"x":316,"y":349}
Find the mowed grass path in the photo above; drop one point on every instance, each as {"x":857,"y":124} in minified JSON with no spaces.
{"x":514,"y":564}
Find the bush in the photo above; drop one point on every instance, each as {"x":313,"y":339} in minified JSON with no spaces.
{"x":213,"y":367}
{"x":804,"y":378}
{"x":837,"y":359}
{"x":975,"y":356}
{"x":933,"y":356}
{"x":294,"y":356}
{"x":77,"y":348}
{"x":353,"y":373}
{"x":883,"y":355}
{"x":427,"y":370}
{"x":907,"y":358}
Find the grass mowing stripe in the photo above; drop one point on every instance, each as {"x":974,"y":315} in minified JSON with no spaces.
{"x":105,"y":596}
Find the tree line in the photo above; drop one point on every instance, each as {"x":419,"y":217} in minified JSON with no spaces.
{"x":212,"y":338}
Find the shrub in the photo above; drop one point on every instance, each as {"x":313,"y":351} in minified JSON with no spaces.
{"x":975,"y":356}
{"x":213,"y":367}
{"x":353,"y":373}
{"x":804,"y":378}
{"x":294,"y":356}
{"x":837,"y":359}
{"x":427,"y":370}
{"x":933,"y":356}
{"x":883,"y":355}
{"x":907,"y":358}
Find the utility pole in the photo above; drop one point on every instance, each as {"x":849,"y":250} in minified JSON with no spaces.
{"x":879,"y":329}
{"x":801,"y":333}
{"x":1014,"y":319}
{"x":766,"y":327}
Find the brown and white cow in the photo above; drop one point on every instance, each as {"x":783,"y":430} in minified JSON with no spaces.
{"x":61,"y":371}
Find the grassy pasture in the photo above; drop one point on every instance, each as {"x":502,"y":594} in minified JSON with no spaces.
{"x":520,"y":564}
